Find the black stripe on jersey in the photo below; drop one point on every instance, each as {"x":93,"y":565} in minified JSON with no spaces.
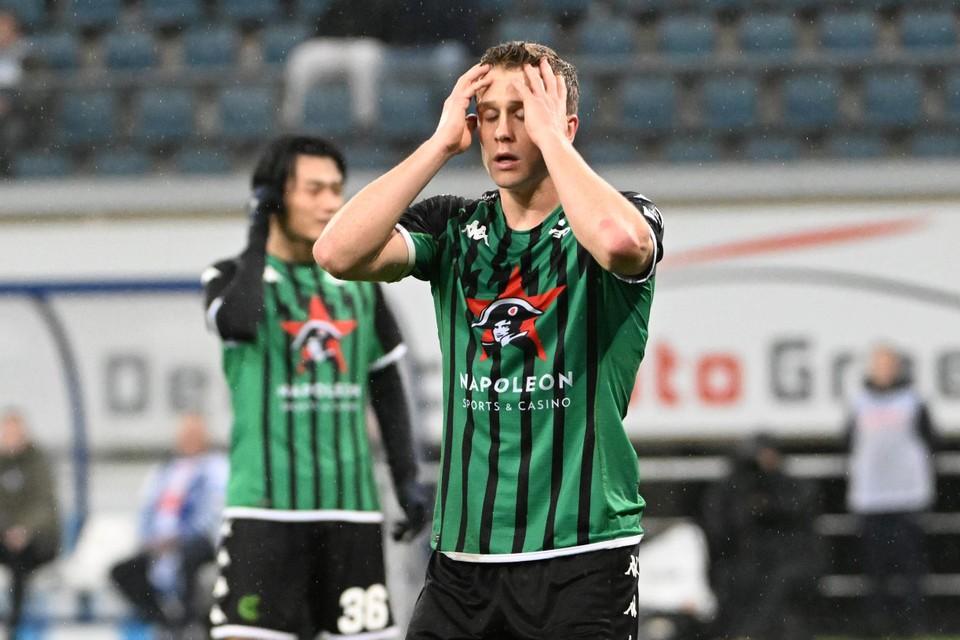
{"x":559,"y":262}
{"x":315,"y":416}
{"x":583,"y":260}
{"x":354,"y":309}
{"x":285,"y":313}
{"x":451,"y":382}
{"x":589,"y":436}
{"x":265,"y":419}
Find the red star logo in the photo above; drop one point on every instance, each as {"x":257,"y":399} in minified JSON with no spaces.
{"x":318,"y":337}
{"x":514,"y":289}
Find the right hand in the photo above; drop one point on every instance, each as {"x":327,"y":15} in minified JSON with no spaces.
{"x":455,"y":130}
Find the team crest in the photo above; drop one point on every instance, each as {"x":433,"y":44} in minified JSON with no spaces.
{"x":511,"y":318}
{"x":318,"y":338}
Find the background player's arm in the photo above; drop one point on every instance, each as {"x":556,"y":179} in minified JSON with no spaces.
{"x":360,"y":243}
{"x":603,"y":221}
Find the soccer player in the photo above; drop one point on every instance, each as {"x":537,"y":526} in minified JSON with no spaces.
{"x":542,"y":291}
{"x":303,"y":352}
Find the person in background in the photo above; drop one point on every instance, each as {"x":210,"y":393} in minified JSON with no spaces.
{"x":765,"y":557}
{"x":12,"y":52}
{"x":180,"y":514}
{"x":29,"y":524}
{"x":891,"y":439}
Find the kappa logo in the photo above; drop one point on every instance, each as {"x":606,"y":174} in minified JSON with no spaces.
{"x":318,"y":338}
{"x":560,"y":230}
{"x":634,"y":568}
{"x":476,"y":231}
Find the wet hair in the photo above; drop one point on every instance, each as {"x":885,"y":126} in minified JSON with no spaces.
{"x":511,"y":55}
{"x":278,"y":160}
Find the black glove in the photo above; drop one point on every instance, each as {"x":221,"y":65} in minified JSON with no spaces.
{"x":416,"y":500}
{"x":264,"y":202}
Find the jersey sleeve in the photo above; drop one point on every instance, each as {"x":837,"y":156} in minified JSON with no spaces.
{"x":215,"y":280}
{"x":387,"y":345}
{"x":422,"y":227}
{"x":654,"y":221}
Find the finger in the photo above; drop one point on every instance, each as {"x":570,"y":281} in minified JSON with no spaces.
{"x":478,"y":85}
{"x":522,"y":89}
{"x":534,"y":81}
{"x":472,"y":74}
{"x":562,"y":91}
{"x":548,"y":76}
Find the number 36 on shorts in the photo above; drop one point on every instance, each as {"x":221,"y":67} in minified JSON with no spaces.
{"x":363,"y":609}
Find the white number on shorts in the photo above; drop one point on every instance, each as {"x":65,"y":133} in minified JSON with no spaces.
{"x":363,"y":609}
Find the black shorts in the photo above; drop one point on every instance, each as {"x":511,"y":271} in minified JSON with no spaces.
{"x":586,"y":595}
{"x":296,"y":579}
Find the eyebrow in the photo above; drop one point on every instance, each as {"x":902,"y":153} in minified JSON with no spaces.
{"x":487,"y":104}
{"x":321,"y":183}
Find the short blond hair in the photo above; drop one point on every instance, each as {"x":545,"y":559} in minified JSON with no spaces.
{"x":511,"y":55}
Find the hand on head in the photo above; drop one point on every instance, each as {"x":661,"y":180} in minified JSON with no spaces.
{"x":455,"y":129}
{"x":544,"y":95}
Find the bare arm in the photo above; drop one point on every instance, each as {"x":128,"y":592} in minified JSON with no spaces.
{"x":603,"y":221}
{"x":360,"y":243}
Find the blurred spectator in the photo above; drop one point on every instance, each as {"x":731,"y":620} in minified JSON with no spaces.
{"x":28,"y":509}
{"x":178,"y":523}
{"x":12,"y":51}
{"x":764,"y":553}
{"x":891,"y":438}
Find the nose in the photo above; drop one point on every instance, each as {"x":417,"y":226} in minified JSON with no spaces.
{"x":503,"y":131}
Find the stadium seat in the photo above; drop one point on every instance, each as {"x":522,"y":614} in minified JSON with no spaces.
{"x":247,"y":114}
{"x":41,"y":164}
{"x":327,"y":110}
{"x":172,"y":13}
{"x":87,"y":117}
{"x":606,"y":37}
{"x":692,"y":150}
{"x":534,"y":28}
{"x":30,"y":13}
{"x":376,"y":156}
{"x":211,"y":47}
{"x":811,"y":101}
{"x":410,"y":110}
{"x":57,"y":51}
{"x":928,"y":30}
{"x":892,"y":98}
{"x":312,"y":9}
{"x":565,"y":7}
{"x":278,"y":40}
{"x":121,"y":162}
{"x":725,"y":5}
{"x":729,"y":104}
{"x":248,"y":11}
{"x":648,"y":104}
{"x":611,"y":152}
{"x":201,"y":161}
{"x":687,"y":35}
{"x":130,"y":51}
{"x":849,"y":32}
{"x":771,"y":34}
{"x":856,"y":146}
{"x":164,"y":116}
{"x":935,"y":145}
{"x":951,"y":87}
{"x":93,"y":14}
{"x":763,"y":148}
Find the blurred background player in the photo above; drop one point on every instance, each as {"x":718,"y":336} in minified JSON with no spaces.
{"x":891,"y":440}
{"x":182,"y":505}
{"x":538,"y":515}
{"x":303,"y":352}
{"x":29,"y":524}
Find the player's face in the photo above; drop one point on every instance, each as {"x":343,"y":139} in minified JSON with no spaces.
{"x":884,"y":367}
{"x":509,"y":156}
{"x":314,"y":193}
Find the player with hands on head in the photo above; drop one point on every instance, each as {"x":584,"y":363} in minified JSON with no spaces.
{"x":543,"y":289}
{"x":303,"y":353}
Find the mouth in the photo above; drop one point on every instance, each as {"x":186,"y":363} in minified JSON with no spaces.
{"x":505,"y":161}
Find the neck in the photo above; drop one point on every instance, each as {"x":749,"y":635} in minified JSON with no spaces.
{"x":284,"y":246}
{"x":526,"y":207}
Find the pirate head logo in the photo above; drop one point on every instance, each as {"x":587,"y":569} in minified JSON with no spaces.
{"x":318,"y":338}
{"x":510,"y":319}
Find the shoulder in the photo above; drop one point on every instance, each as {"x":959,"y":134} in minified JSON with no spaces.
{"x":219,"y":269}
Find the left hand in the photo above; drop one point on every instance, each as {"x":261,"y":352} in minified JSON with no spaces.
{"x":544,"y":96}
{"x":416,"y":502}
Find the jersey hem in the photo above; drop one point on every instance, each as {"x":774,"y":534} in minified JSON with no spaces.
{"x":290,"y":515}
{"x":385,"y":634}
{"x":545,"y":554}
{"x":411,"y":250}
{"x":243,"y":631}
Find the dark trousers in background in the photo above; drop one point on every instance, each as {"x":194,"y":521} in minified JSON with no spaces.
{"x":21,"y":564}
{"x":895,"y":562}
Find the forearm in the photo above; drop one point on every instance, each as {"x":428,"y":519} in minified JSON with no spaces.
{"x":603,"y":221}
{"x":354,"y":239}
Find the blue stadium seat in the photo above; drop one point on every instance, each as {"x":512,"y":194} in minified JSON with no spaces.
{"x":122,"y":162}
{"x":589,"y":102}
{"x":164,"y":116}
{"x":928,"y":30}
{"x":637,"y":7}
{"x":247,"y":114}
{"x":852,"y":32}
{"x":41,"y":164}
{"x":692,"y":150}
{"x":951,"y":87}
{"x":201,"y":161}
{"x":726,"y":5}
{"x":763,"y":148}
{"x":93,"y":14}
{"x":411,"y":112}
{"x":130,"y":51}
{"x":561,"y":7}
{"x":857,"y":146}
{"x":611,"y":152}
{"x":811,"y":101}
{"x":935,"y":145}
{"x":771,"y":34}
{"x":247,"y":11}
{"x":211,"y":47}
{"x":278,"y":40}
{"x":87,"y":117}
{"x":687,"y":35}
{"x":58,"y":51}
{"x":327,"y":110}
{"x":729,"y":104}
{"x":30,"y":13}
{"x":892,"y":98}
{"x":533,"y":28}
{"x":606,"y":36}
{"x":648,"y":104}
{"x":172,"y":13}
{"x":376,"y":156}
{"x":312,"y":9}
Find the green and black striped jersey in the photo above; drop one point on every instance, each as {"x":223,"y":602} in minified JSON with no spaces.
{"x":541,"y":348}
{"x":299,"y":392}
